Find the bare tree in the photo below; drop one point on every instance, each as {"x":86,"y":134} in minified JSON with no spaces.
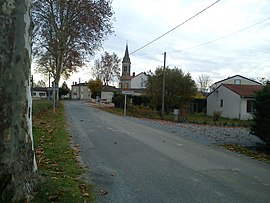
{"x":66,"y":32}
{"x":204,"y":81}
{"x":107,"y":68}
{"x":17,"y":159}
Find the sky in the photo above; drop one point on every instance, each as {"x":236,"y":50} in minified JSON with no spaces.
{"x":240,"y":31}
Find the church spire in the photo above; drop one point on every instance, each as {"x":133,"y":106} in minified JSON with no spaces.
{"x":126,"y":58}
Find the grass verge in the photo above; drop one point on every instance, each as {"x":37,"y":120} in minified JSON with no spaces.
{"x":57,"y":160}
{"x":260,"y":152}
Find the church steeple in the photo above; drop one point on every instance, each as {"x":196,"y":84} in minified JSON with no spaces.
{"x":126,"y":63}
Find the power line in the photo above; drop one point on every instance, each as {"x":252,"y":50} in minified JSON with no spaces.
{"x":224,"y":36}
{"x":175,"y":27}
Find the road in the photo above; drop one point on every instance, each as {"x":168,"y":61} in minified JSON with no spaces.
{"x":137,"y":162}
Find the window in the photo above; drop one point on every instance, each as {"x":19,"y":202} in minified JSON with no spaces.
{"x":250,"y":106}
{"x":125,"y":68}
{"x":34,"y":94}
{"x":41,"y":94}
{"x":221,"y":103}
{"x":237,"y":81}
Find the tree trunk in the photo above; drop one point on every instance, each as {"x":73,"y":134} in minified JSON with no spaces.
{"x":17,"y":158}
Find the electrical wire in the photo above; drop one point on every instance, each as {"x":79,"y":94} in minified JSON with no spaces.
{"x":174,"y":27}
{"x":224,"y":36}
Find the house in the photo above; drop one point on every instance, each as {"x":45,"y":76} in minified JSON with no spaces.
{"x":233,"y":100}
{"x":139,"y":81}
{"x":107,"y":93}
{"x":80,"y":91}
{"x":40,"y":93}
{"x":237,"y":79}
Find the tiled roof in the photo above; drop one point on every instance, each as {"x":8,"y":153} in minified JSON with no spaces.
{"x":126,"y":77}
{"x":109,"y":89}
{"x":244,"y":90}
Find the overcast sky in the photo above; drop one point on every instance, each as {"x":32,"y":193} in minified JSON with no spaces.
{"x":138,"y":22}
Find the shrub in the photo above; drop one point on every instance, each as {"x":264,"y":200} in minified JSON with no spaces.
{"x":216,"y":115}
{"x":261,"y":126}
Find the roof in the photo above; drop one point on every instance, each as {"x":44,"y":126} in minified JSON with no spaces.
{"x":40,"y":89}
{"x":236,"y":76}
{"x":126,"y":77}
{"x":126,"y":58}
{"x":108,"y":88}
{"x":244,"y":90}
{"x":80,"y":84}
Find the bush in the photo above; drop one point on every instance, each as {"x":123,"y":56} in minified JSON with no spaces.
{"x":261,"y":126}
{"x":216,"y":115}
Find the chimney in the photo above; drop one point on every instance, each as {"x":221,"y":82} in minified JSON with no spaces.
{"x":133,"y":74}
{"x":75,"y":83}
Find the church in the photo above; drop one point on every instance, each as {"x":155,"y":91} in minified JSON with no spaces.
{"x":128,"y":81}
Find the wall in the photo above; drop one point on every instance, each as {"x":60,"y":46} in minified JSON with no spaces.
{"x":231,"y":103}
{"x":107,"y":95}
{"x":80,"y":92}
{"x":139,"y":82}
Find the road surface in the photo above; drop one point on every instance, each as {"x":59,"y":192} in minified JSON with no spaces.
{"x":132,"y":161}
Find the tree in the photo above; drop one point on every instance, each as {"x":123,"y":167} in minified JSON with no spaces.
{"x":261,"y":127}
{"x":204,"y":81}
{"x":63,"y":90}
{"x":95,"y":86}
{"x":107,"y":68}
{"x":17,"y":159}
{"x":40,"y":83}
{"x":179,"y":88}
{"x":66,"y":32}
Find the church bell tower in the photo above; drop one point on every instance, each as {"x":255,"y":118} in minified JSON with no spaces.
{"x":126,"y":63}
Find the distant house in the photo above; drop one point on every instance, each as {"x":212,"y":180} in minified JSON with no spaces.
{"x":107,"y":93}
{"x":233,"y":100}
{"x":40,"y":93}
{"x":139,"y":81}
{"x":80,"y":91}
{"x":237,"y":80}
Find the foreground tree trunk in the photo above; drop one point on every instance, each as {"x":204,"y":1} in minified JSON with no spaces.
{"x":17,"y":159}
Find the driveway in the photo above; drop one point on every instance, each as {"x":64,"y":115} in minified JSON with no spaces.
{"x":133,"y":160}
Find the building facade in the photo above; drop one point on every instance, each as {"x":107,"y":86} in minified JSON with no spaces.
{"x":80,"y":91}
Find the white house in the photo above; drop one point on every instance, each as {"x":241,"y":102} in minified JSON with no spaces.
{"x":237,"y":79}
{"x":139,"y":81}
{"x":40,"y":93}
{"x":107,"y":93}
{"x":234,"y":101}
{"x":80,"y":91}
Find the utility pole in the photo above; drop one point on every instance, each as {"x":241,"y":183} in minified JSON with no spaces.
{"x":163,"y":87}
{"x":79,"y":88}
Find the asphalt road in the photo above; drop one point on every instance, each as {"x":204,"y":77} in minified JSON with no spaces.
{"x":136,"y":162}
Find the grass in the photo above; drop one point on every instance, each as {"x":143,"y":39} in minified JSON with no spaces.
{"x":57,"y":160}
{"x":260,"y":152}
{"x":197,"y":118}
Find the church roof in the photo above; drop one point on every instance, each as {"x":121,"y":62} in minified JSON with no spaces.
{"x":126,"y":58}
{"x":126,"y":77}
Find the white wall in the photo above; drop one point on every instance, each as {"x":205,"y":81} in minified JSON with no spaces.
{"x":231,"y":103}
{"x":244,"y":114}
{"x":107,"y":95}
{"x":39,"y":94}
{"x":139,"y":81}
{"x":84,"y":94}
